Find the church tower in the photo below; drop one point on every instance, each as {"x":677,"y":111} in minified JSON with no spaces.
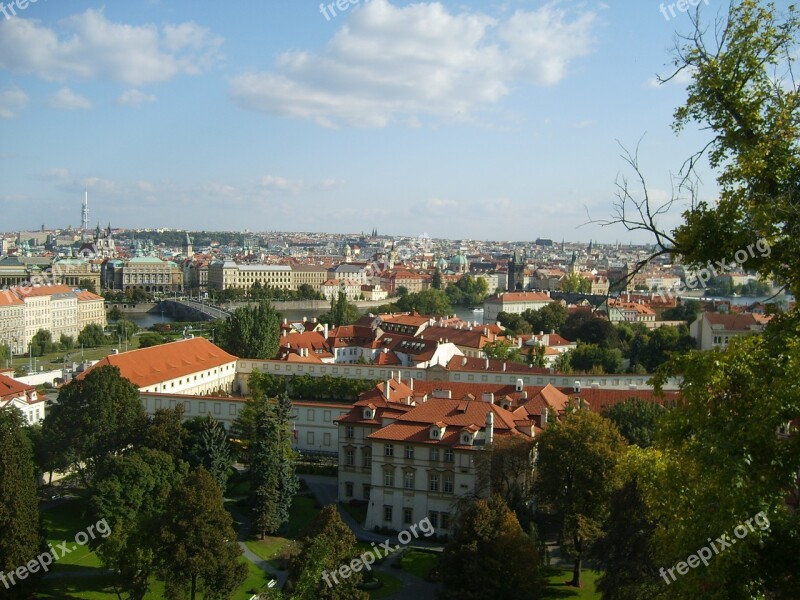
{"x":187,"y":246}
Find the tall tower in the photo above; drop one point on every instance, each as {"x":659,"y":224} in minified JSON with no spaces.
{"x":187,"y":246}
{"x":85,"y":213}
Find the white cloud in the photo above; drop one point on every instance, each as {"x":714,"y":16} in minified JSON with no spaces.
{"x":135,"y":98}
{"x":272,"y":184}
{"x":66,"y":99}
{"x":11,"y":102}
{"x":90,"y":47}
{"x":389,"y":63}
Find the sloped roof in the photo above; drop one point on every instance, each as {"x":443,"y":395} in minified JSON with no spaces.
{"x":148,"y":366}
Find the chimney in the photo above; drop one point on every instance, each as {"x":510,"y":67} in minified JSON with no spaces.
{"x":504,"y":366}
{"x":411,"y":384}
{"x":545,"y":415}
{"x":387,"y":390}
{"x":488,"y":397}
{"x":399,"y":377}
{"x":576,"y":387}
{"x":285,"y":321}
{"x":489,"y":427}
{"x":464,"y":362}
{"x":487,"y":364}
{"x":324,"y":330}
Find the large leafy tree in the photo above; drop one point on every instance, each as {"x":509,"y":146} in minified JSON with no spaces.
{"x":636,"y":419}
{"x":342,"y":312}
{"x":251,"y":332}
{"x":273,"y":482}
{"x":96,"y":415}
{"x":489,"y":556}
{"x":551,"y":317}
{"x":21,"y":538}
{"x":577,"y":456}
{"x":197,"y":544}
{"x":426,"y":302}
{"x":327,"y":544}
{"x":729,"y":450}
{"x":130,"y":492}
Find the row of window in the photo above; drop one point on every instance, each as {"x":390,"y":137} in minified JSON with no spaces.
{"x":433,"y":453}
{"x":437,"y":482}
{"x":439,"y":520}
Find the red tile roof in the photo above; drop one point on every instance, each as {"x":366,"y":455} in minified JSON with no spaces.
{"x":149,"y":366}
{"x":11,"y":388}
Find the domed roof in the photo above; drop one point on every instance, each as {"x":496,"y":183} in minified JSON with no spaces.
{"x":441,"y":264}
{"x":458,"y":259}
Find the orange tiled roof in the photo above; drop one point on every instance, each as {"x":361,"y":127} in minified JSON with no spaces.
{"x":149,"y":366}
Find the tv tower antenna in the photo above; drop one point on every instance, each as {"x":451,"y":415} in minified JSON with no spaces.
{"x":85,"y":212}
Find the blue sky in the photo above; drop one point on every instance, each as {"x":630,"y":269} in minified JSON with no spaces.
{"x":459,"y":119}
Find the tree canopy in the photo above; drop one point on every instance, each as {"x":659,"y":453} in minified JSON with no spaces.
{"x":251,"y":332}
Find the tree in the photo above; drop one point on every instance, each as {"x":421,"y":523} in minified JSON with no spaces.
{"x":591,"y":358}
{"x":342,"y":312}
{"x":537,"y":356}
{"x":42,"y":343}
{"x":577,"y":458}
{"x":115,"y":314}
{"x":125,"y":329}
{"x":551,"y":317}
{"x":636,"y":420}
{"x":625,"y":551}
{"x":88,"y":285}
{"x":307,"y":292}
{"x":131,"y":493}
{"x":92,"y":336}
{"x":197,"y":543}
{"x":717,"y":473}
{"x":95,"y":415}
{"x":663,"y":343}
{"x":66,"y":342}
{"x":164,"y":431}
{"x":502,"y":350}
{"x":685,"y":310}
{"x":575,"y":284}
{"x":326,"y":544}
{"x":436,"y":280}
{"x":251,"y":332}
{"x":209,"y":447}
{"x":490,"y":556}
{"x":273,"y":482}
{"x":426,"y":302}
{"x":21,"y":538}
{"x":584,"y":327}
{"x":515,"y":323}
{"x":506,"y":469}
{"x":149,"y":339}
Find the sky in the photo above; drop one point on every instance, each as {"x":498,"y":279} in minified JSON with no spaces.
{"x":476,"y":120}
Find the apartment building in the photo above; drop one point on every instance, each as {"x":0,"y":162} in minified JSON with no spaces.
{"x":55,"y":308}
{"x":514,"y":302}
{"x":716,"y":330}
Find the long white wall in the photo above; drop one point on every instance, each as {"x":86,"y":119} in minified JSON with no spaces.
{"x":622,"y":381}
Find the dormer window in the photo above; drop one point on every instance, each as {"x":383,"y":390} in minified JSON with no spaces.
{"x":369,"y":413}
{"x":466,"y":439}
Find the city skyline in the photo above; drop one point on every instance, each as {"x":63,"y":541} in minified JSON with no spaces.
{"x":191,"y":117}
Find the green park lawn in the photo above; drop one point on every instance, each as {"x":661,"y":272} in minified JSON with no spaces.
{"x":557,"y":588}
{"x":419,"y":563}
{"x":79,"y":574}
{"x":302,"y":512}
